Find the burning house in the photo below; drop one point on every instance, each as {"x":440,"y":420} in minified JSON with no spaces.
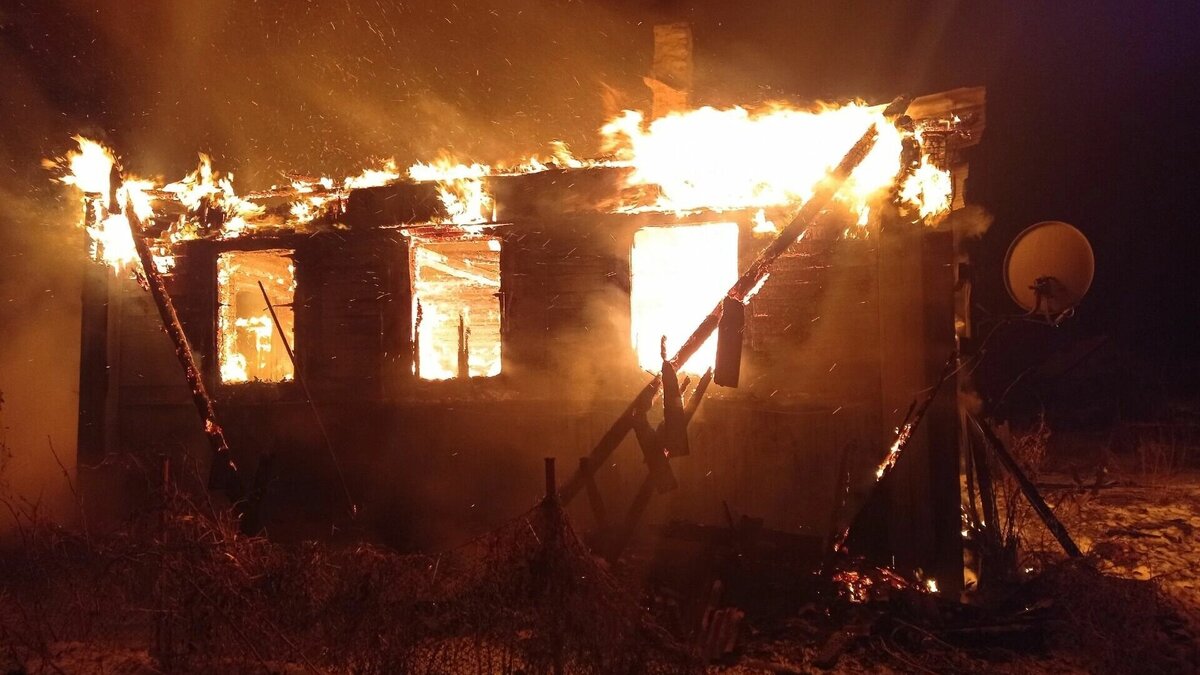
{"x":410,"y":346}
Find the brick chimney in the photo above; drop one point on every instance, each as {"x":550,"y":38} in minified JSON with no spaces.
{"x":670,"y":78}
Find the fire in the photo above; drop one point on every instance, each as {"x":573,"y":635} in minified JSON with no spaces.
{"x":90,"y":169}
{"x":205,"y":188}
{"x":734,"y":158}
{"x":893,"y":454}
{"x":456,"y":313}
{"x":929,"y":188}
{"x":385,"y":174}
{"x":249,"y":346}
{"x":679,"y":274}
{"x":460,"y":187}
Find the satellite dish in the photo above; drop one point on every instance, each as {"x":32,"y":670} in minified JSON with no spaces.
{"x":1049,"y":267}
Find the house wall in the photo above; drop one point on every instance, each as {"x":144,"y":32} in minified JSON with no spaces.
{"x":432,"y":462}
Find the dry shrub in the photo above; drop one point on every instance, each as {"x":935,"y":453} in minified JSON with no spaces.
{"x":1022,"y":529}
{"x":1162,"y":452}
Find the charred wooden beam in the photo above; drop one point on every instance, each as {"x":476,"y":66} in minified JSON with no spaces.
{"x":223,"y":472}
{"x":93,"y":356}
{"x":672,"y":435}
{"x":633,"y":517}
{"x":729,"y":343}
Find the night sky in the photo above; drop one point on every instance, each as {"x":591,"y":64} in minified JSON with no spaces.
{"x":1091,"y":117}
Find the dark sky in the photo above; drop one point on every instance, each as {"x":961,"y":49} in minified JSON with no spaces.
{"x":1091,"y":110}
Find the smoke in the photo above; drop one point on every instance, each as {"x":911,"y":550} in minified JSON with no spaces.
{"x":969,"y":222}
{"x":326,"y":87}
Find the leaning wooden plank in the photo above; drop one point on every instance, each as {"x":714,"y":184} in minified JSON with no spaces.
{"x":223,"y":473}
{"x":1028,"y":489}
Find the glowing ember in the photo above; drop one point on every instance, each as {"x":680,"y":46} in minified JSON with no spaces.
{"x":456,"y":313}
{"x":862,"y":585}
{"x":679,"y":274}
{"x":893,"y":454}
{"x":249,"y":346}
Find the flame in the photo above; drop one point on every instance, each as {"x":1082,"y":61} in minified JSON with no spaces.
{"x":707,"y":158}
{"x":762,"y":225}
{"x":679,"y":275}
{"x":455,"y":308}
{"x":249,"y":346}
{"x":732,"y":158}
{"x":460,"y":187}
{"x":89,"y":168}
{"x":929,"y":188}
{"x":206,"y":188}
{"x":893,"y":454}
{"x":385,"y":174}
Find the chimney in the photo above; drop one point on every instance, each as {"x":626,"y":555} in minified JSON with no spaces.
{"x":670,"y":78}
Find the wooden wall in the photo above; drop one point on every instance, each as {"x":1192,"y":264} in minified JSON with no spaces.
{"x":839,"y":341}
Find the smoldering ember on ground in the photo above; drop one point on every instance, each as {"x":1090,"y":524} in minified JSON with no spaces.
{"x":373,"y":339}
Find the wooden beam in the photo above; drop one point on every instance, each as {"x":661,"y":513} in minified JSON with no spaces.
{"x":223,"y":472}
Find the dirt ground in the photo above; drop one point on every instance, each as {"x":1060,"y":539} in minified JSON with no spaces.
{"x":1141,"y":527}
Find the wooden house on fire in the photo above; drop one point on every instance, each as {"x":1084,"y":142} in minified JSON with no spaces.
{"x":442,"y":358}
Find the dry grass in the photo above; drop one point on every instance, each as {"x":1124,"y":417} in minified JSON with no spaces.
{"x":181,"y":587}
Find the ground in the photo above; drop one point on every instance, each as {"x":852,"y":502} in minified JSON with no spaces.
{"x":1136,"y":526}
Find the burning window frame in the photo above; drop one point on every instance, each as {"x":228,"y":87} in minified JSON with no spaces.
{"x":420,"y":329}
{"x":226,"y":314}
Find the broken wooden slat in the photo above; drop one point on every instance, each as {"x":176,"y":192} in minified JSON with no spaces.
{"x":656,"y":460}
{"x":673,"y":432}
